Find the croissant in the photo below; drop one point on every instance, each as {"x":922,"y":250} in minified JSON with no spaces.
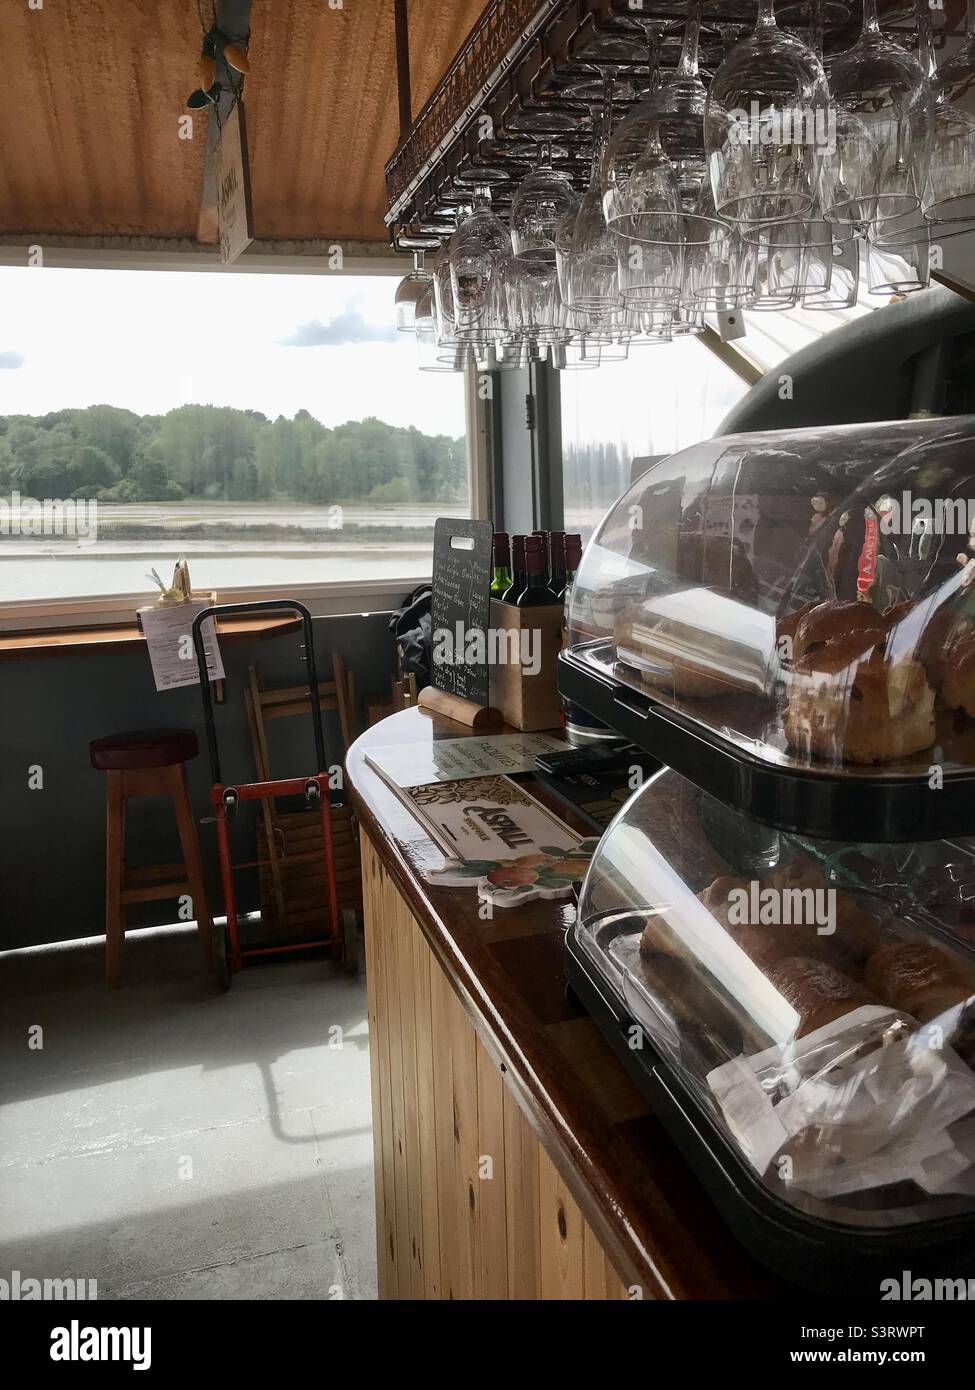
{"x":817,"y":991}
{"x":958,"y":686}
{"x":918,"y":979}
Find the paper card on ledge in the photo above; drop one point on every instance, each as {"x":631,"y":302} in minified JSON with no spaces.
{"x":168,"y":631}
{"x":449,"y":759}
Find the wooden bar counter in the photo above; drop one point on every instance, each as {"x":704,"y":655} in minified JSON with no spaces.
{"x":514,"y":1158}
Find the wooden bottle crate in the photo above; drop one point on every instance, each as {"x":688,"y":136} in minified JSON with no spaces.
{"x":529,"y":702}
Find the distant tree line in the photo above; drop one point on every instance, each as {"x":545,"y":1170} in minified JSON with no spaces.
{"x":216,"y":453}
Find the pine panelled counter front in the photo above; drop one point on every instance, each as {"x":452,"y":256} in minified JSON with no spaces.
{"x":514,"y":1157}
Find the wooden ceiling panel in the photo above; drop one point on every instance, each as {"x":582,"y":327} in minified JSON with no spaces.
{"x":89,"y":107}
{"x":93,"y":91}
{"x":319,"y":142}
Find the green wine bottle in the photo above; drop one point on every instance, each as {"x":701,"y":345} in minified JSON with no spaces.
{"x":501,"y":574}
{"x":518,"y":575}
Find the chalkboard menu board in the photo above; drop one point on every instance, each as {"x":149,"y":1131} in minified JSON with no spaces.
{"x":462,"y":562}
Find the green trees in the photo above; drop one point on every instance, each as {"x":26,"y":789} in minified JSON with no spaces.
{"x":217,"y":453}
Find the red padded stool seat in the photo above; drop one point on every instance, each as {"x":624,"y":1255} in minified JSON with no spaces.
{"x":143,"y":748}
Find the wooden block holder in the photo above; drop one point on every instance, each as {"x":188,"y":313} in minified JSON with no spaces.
{"x":529,"y":702}
{"x":463,"y":711}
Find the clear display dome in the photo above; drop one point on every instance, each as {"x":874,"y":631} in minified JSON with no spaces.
{"x":812,"y":1012}
{"x":795,"y":605}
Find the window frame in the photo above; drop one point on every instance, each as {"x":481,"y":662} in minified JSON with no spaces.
{"x":327,"y":599}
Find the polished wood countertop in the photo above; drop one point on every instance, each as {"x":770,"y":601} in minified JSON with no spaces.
{"x":654,"y":1219}
{"x":22,"y":646}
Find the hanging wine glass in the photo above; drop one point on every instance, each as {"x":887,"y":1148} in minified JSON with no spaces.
{"x":629,"y":143}
{"x":446,"y":329}
{"x":577,"y":355}
{"x":437,"y":349}
{"x":687,"y":322}
{"x":679,"y":106}
{"x":882,"y":137}
{"x":650,"y":327}
{"x":831,"y":274}
{"x":533,"y":297}
{"x":539,"y":204}
{"x":897,"y":268}
{"x":650,"y":269}
{"x":949,"y":195}
{"x":800,"y":256}
{"x":649,"y":227}
{"x":833,"y":271}
{"x":641,"y":197}
{"x":956,"y":75}
{"x":593,"y":283}
{"x":564,"y":233}
{"x":409,"y":292}
{"x":477,"y":247}
{"x":424,"y":320}
{"x":766,"y":125}
{"x":714,"y":279}
{"x":774,"y":262}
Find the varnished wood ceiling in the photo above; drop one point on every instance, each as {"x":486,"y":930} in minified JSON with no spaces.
{"x":92,"y":95}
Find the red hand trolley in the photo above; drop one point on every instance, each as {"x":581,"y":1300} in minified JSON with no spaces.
{"x":228,"y":953}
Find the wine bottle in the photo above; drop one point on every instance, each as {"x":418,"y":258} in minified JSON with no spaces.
{"x":518,"y":574}
{"x":536,"y":591}
{"x":501,"y":574}
{"x":572,"y":549}
{"x":556,"y":566}
{"x":543,"y":537}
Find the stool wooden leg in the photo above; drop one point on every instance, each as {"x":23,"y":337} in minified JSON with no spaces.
{"x":114,"y":874}
{"x":180,"y":792}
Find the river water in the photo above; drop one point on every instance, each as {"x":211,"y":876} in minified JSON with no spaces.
{"x":61,"y":567}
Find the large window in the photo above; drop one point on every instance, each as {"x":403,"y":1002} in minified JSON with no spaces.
{"x":272,"y":428}
{"x":662,"y":399}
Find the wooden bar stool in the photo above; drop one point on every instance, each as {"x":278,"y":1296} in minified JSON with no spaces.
{"x":150,"y":762}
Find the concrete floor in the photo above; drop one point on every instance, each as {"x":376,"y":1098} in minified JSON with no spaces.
{"x":175,"y":1143}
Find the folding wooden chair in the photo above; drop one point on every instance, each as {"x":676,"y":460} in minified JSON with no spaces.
{"x":293,"y":893}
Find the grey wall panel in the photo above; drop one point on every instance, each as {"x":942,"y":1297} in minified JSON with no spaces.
{"x":517,"y":453}
{"x":860,"y":372}
{"x":52,"y":841}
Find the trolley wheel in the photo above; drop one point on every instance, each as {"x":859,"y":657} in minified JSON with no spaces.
{"x":221,"y":958}
{"x":350,"y":941}
{"x":230,"y":802}
{"x":313,"y":795}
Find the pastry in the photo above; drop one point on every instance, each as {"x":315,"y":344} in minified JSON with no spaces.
{"x":698,"y":644}
{"x":817,"y":991}
{"x":855,"y":627}
{"x":799,"y":873}
{"x":658,"y":938}
{"x":857,"y":934}
{"x":715,"y":896}
{"x":713,"y":1030}
{"x":945,"y":630}
{"x":848,"y":703}
{"x":958,"y":683}
{"x":785,"y":631}
{"x":679,"y":988}
{"x":762,"y":941}
{"x":918,"y":979}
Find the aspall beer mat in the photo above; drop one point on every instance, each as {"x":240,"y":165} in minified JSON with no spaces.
{"x":499,"y":840}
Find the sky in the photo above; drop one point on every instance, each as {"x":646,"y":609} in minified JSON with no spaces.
{"x":153,"y":340}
